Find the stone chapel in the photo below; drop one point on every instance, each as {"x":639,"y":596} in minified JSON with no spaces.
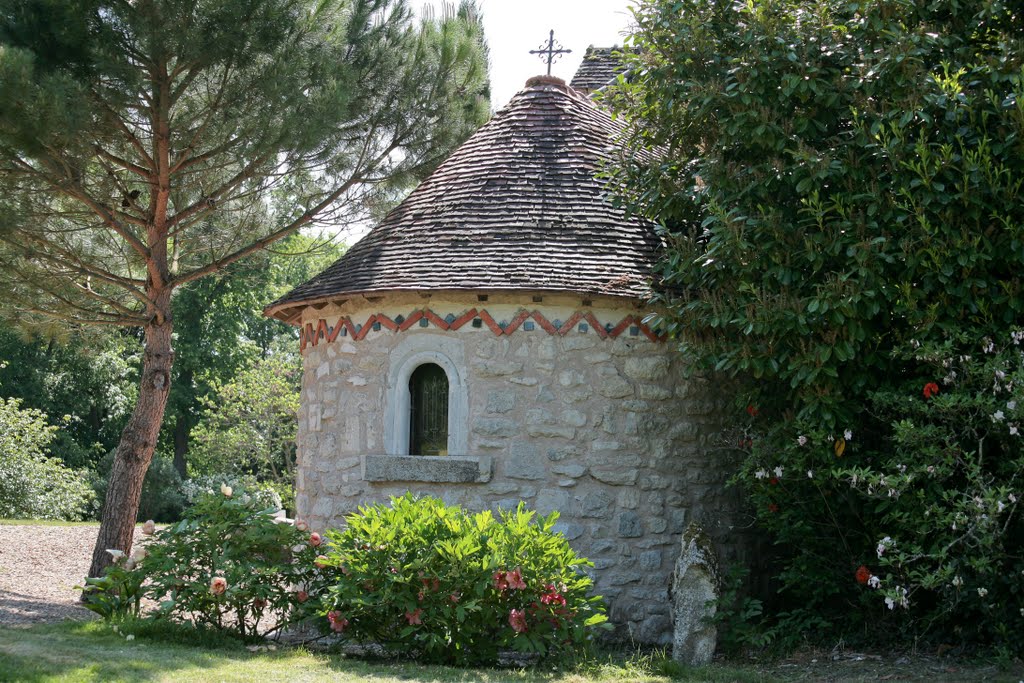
{"x":487,"y":343}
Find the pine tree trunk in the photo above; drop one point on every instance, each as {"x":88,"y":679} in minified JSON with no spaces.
{"x":138,"y":441}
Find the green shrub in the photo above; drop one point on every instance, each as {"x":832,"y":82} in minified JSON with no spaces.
{"x":243,"y":486}
{"x":33,"y":485}
{"x":226,"y":565}
{"x":433,"y":582}
{"x":161,"y":500}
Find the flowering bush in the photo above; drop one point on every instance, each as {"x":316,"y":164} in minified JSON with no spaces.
{"x":242,"y":486}
{"x":434,"y":582}
{"x":228,"y":565}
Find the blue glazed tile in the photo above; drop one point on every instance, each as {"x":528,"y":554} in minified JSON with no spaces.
{"x":376,"y":327}
{"x":424,"y":322}
{"x":344,"y":331}
{"x":399,"y":319}
{"x":634,"y":331}
{"x":557,"y":324}
{"x":450,"y":318}
{"x":583,"y":327}
{"x":477,"y":322}
{"x":503,"y":324}
{"x":359,"y":328}
{"x":528,"y":326}
{"x":608,"y":327}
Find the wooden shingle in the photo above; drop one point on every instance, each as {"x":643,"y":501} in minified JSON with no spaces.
{"x":517,"y":206}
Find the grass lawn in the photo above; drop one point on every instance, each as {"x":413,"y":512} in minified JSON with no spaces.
{"x":89,"y":651}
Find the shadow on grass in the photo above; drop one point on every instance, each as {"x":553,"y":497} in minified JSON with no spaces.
{"x":76,"y":651}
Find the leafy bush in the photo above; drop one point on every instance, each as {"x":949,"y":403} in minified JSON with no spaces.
{"x":161,"y":500}
{"x":243,"y":487}
{"x":836,"y":180}
{"x":433,"y":582}
{"x":33,"y":485}
{"x":229,"y":566}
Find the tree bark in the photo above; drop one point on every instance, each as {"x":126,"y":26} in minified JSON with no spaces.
{"x":138,"y":441}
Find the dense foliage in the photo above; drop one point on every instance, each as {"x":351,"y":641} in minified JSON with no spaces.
{"x":154,"y":144}
{"x":841,"y":189}
{"x":226,"y":565}
{"x":32,"y":484}
{"x":431,"y":581}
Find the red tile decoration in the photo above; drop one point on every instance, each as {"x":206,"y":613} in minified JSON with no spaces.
{"x":311,"y":335}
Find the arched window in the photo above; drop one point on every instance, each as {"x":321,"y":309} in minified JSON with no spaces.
{"x":428,"y":410}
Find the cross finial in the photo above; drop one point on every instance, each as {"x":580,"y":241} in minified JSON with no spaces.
{"x":550,"y":51}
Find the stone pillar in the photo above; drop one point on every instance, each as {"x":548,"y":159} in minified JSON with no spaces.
{"x":695,"y":588}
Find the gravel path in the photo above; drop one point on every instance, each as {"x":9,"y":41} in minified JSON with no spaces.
{"x":39,"y":568}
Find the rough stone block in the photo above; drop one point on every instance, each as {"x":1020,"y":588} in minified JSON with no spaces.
{"x":551,"y":431}
{"x":500,"y":401}
{"x":569,"y":470}
{"x":428,"y":468}
{"x":495,"y":426}
{"x":496,"y":368}
{"x":550,"y":500}
{"x":563,"y":452}
{"x":650,"y":368}
{"x":575,"y":418}
{"x":614,"y":476}
{"x":569,"y":530}
{"x":630,"y":525}
{"x":695,"y":589}
{"x":650,"y":560}
{"x":524,"y":462}
{"x":654,"y":392}
{"x":577,"y":343}
{"x":596,"y":504}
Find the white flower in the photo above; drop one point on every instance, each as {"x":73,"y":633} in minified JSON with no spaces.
{"x":1000,"y":374}
{"x":778,"y":471}
{"x":982,"y":592}
{"x":889,"y":602}
{"x":130,"y":636}
{"x":1000,"y":506}
{"x":848,"y":434}
{"x":998,"y":416}
{"x":760,"y":474}
{"x":1013,"y":430}
{"x":883,"y":545}
{"x":1011,"y":405}
{"x":116,"y":554}
{"x":1013,"y":498}
{"x":931,"y":469}
{"x":810,"y":474}
{"x":957,"y":581}
{"x":874,"y":581}
{"x":802,"y":440}
{"x":988,"y":346}
{"x":226,"y":490}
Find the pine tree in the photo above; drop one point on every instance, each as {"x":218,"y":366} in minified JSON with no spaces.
{"x":145,"y":144}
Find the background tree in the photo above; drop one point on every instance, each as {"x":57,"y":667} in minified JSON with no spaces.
{"x":841,"y":189}
{"x":142,"y":144}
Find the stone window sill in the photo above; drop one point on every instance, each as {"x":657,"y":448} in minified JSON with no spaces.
{"x":441,"y":469}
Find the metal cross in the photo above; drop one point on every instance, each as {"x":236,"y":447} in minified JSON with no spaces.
{"x":553,"y":50}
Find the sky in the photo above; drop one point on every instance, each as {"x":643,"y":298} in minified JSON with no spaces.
{"x":514,"y":27}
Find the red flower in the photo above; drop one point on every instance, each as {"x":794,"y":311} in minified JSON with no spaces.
{"x":772,"y":507}
{"x":930,"y":389}
{"x":515,"y":579}
{"x":302,"y":596}
{"x":315,"y":540}
{"x":414,"y":617}
{"x":774,"y":481}
{"x":552,"y":597}
{"x":863,"y":574}
{"x":338,"y":622}
{"x":454,"y":597}
{"x":517,"y":620}
{"x":751,"y":411}
{"x":500,"y":581}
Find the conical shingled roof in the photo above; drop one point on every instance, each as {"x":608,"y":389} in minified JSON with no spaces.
{"x":515,"y":207}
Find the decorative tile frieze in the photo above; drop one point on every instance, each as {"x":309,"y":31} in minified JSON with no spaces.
{"x":311,"y":335}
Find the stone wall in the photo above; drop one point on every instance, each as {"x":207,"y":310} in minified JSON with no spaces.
{"x":585,"y":414}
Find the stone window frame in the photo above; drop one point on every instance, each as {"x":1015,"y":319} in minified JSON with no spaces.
{"x":414,"y":351}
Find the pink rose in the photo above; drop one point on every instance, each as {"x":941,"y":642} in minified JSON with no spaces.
{"x":338,"y":622}
{"x":515,"y":579}
{"x":517,"y":620}
{"x":320,"y":561}
{"x":301,"y":525}
{"x":315,"y":540}
{"x":218,"y":585}
{"x":414,"y":617}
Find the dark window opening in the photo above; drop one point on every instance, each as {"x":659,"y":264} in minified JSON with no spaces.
{"x":428,"y":420}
